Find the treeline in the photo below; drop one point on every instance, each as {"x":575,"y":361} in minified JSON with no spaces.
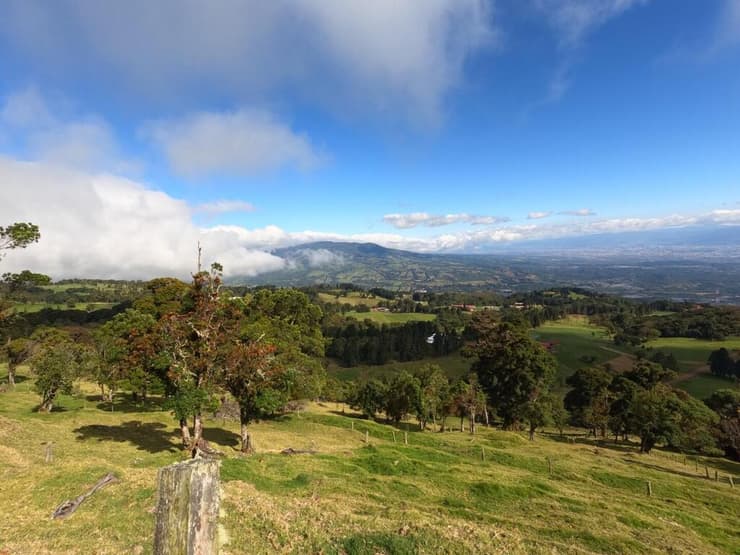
{"x":354,"y":342}
{"x":722,"y":364}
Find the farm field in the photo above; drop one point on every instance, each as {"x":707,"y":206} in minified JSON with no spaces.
{"x":692,"y":353}
{"x":441,"y":493}
{"x":392,"y":317}
{"x":353,"y":299}
{"x":578,"y":344}
{"x":703,"y":385}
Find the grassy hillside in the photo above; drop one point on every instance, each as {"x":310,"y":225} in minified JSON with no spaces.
{"x":692,"y":353}
{"x":442,"y":493}
{"x":577,"y":344}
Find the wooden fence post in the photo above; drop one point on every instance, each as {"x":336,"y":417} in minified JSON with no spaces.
{"x":706,"y":470}
{"x":649,"y":489}
{"x":188,"y":502}
{"x":394,"y":435}
{"x":549,"y":465}
{"x":483,"y":453}
{"x":367,"y":437}
{"x":406,"y":438}
{"x":716,"y":476}
{"x":49,"y":452}
{"x":732,"y":482}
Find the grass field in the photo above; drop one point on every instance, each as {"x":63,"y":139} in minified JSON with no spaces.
{"x":454,"y":366}
{"x":353,"y":298}
{"x":692,"y":353}
{"x":35,"y":307}
{"x":434,"y":495}
{"x":392,"y":317}
{"x":579,"y":344}
{"x":703,"y":385}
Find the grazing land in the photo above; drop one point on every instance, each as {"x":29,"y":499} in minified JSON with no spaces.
{"x":352,"y":298}
{"x":576,"y":343}
{"x":451,"y":492}
{"x":692,"y":353}
{"x":392,"y":317}
{"x":454,"y":366}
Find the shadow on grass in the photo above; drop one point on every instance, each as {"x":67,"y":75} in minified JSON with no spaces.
{"x":153,"y":437}
{"x":223,"y":437}
{"x":124,"y":403}
{"x":687,"y":474}
{"x":601,"y":443}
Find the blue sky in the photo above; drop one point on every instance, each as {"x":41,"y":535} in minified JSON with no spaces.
{"x":133,"y":130}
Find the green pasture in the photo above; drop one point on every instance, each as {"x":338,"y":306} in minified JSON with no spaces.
{"x":36,"y":307}
{"x":579,"y":344}
{"x":392,"y":317}
{"x":453,"y":492}
{"x":353,"y":299}
{"x":692,"y":353}
{"x":703,"y":385}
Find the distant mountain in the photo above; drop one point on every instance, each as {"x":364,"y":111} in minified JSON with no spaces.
{"x":640,"y":272}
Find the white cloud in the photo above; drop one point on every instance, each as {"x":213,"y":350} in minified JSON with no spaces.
{"x":580,"y":212}
{"x":572,"y":22}
{"x":223,"y":207}
{"x":97,"y":225}
{"x":538,"y":215}
{"x":48,"y":131}
{"x":414,"y":219}
{"x":242,"y":142}
{"x":378,"y":56}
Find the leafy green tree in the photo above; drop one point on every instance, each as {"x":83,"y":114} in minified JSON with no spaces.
{"x":402,"y":396}
{"x":695,"y":425}
{"x":369,"y":398}
{"x":18,"y":236}
{"x":648,"y":374}
{"x":558,"y":413}
{"x":588,"y":387}
{"x":57,"y":362}
{"x":255,"y":379}
{"x":434,"y":386}
{"x":538,"y":413}
{"x":653,"y":416}
{"x":17,"y":351}
{"x":125,"y":353}
{"x":623,"y":391}
{"x":512,"y":368}
{"x":721,"y":363}
{"x":726,"y":403}
{"x":193,"y":342}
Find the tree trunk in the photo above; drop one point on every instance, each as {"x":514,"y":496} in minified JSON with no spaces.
{"x":472,"y":422}
{"x":485,"y":412}
{"x":531,"y":433}
{"x":442,"y":422}
{"x":11,"y":374}
{"x":247,"y":447}
{"x":197,"y":434}
{"x":188,"y":502}
{"x":185,"y":431}
{"x":462,"y":423}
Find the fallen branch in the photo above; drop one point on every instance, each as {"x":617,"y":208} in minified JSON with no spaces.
{"x":291,"y":451}
{"x":70,"y":506}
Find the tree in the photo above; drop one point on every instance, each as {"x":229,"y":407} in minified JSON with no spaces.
{"x":125,"y":351}
{"x":18,"y":236}
{"x":57,"y":362}
{"x":588,"y":387}
{"x":512,"y":368}
{"x":402,"y":396}
{"x":538,"y":413}
{"x":252,"y":376}
{"x":433,"y":385}
{"x":721,"y":363}
{"x":653,"y":416}
{"x":193,"y":341}
{"x":560,"y":416}
{"x":369,"y":398}
{"x":726,"y":403}
{"x":17,"y":351}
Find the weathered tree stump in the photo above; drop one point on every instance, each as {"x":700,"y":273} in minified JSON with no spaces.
{"x":188,"y":502}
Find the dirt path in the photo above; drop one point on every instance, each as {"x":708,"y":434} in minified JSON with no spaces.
{"x":683,"y":376}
